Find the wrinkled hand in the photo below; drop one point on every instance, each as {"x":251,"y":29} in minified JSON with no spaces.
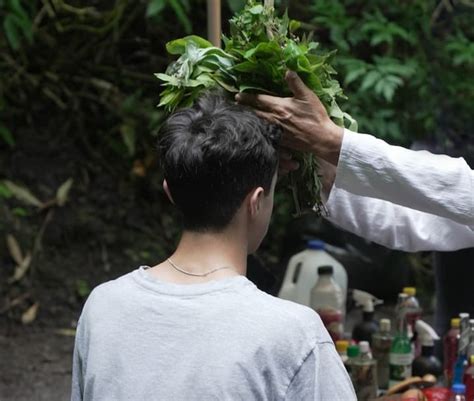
{"x":306,"y":124}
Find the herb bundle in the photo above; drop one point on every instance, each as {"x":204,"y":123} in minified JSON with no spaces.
{"x":260,"y":49}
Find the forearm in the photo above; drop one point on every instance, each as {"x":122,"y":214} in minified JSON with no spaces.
{"x":395,"y":226}
{"x":435,"y":184}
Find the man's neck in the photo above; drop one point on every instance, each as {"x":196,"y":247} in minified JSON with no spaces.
{"x":199,"y":253}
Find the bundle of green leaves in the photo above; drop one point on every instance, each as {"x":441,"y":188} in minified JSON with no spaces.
{"x":260,"y":49}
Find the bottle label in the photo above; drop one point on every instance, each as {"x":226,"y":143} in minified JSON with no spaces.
{"x":400,"y":367}
{"x":400,"y":359}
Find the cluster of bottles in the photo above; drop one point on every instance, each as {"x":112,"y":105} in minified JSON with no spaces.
{"x":459,"y":355}
{"x":381,"y":360}
{"x":376,"y":358}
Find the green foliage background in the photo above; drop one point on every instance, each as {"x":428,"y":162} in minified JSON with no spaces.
{"x":77,"y":86}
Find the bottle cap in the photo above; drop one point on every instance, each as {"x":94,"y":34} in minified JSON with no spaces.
{"x":463,"y":315}
{"x":385,"y":325}
{"x":325,"y":270}
{"x":364,"y":347}
{"x":410,"y":291}
{"x":341,"y":346}
{"x":315,"y":244}
{"x":458,"y":388}
{"x":455,"y":322}
{"x":353,"y":351}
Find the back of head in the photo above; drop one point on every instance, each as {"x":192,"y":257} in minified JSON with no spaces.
{"x":213,"y":154}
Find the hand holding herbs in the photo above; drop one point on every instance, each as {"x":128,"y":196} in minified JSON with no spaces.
{"x":258,"y":53}
{"x":306,"y":123}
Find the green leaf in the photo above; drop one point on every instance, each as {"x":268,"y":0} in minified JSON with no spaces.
{"x":258,"y":9}
{"x":181,"y":14}
{"x":83,"y":288}
{"x":19,"y":211}
{"x":169,"y":79}
{"x":128,"y":136}
{"x":11,"y":31}
{"x":369,"y":80}
{"x":155,"y":7}
{"x":7,"y":136}
{"x":5,"y":192}
{"x":236,"y":5}
{"x":178,"y":46}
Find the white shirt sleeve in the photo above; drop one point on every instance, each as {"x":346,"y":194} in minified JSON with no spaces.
{"x":321,"y":377}
{"x":395,"y":226}
{"x":434,"y":184}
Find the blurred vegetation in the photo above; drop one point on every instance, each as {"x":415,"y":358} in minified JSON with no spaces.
{"x":78,"y":116}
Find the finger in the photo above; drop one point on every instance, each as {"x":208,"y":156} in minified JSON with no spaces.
{"x":262,"y":102}
{"x":299,"y":89}
{"x":296,"y":85}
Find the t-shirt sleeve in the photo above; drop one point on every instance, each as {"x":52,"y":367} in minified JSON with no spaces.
{"x":77,"y":385}
{"x":321,"y":377}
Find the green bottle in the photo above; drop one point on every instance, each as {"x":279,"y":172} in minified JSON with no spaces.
{"x":401,"y":356}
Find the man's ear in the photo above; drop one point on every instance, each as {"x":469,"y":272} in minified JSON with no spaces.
{"x":255,"y":201}
{"x":167,"y":190}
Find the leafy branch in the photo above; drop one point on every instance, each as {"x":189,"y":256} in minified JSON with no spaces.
{"x":260,"y":49}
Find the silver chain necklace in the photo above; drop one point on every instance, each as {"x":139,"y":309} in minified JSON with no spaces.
{"x":197,"y":274}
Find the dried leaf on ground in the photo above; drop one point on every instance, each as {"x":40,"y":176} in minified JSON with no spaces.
{"x":21,"y":269}
{"x":14,"y":249}
{"x":63,"y":192}
{"x":30,"y":314}
{"x":66,"y":332}
{"x":22,"y":194}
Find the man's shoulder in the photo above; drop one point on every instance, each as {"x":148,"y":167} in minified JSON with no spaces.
{"x":289,"y":317}
{"x":109,"y":293}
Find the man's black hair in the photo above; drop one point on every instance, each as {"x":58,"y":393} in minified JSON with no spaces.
{"x":213,"y":154}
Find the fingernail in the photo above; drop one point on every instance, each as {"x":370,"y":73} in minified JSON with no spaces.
{"x":290,"y":74}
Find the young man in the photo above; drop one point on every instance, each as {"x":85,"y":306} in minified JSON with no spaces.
{"x":194,"y":327}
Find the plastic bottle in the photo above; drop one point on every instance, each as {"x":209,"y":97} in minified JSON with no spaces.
{"x":328,"y":300}
{"x":470,"y":347}
{"x":400,"y":309}
{"x":469,"y":380}
{"x":364,"y":374}
{"x":427,"y":362}
{"x":463,"y":343}
{"x":302,"y":273}
{"x":341,"y":347}
{"x":381,"y":344}
{"x":401,"y":356}
{"x":364,"y":330}
{"x":413,"y":312}
{"x":352,"y":354}
{"x":458,"y":391}
{"x":450,"y":348}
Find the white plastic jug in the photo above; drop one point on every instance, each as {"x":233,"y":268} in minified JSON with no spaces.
{"x":302,"y":273}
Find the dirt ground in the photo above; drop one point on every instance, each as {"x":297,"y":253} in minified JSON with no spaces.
{"x":35,"y":365}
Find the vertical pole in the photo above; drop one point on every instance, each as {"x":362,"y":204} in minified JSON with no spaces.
{"x":214,"y":22}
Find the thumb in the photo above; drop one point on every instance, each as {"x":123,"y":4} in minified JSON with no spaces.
{"x":296,"y":85}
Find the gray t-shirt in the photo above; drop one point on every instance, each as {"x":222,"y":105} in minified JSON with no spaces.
{"x":142,"y":339}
